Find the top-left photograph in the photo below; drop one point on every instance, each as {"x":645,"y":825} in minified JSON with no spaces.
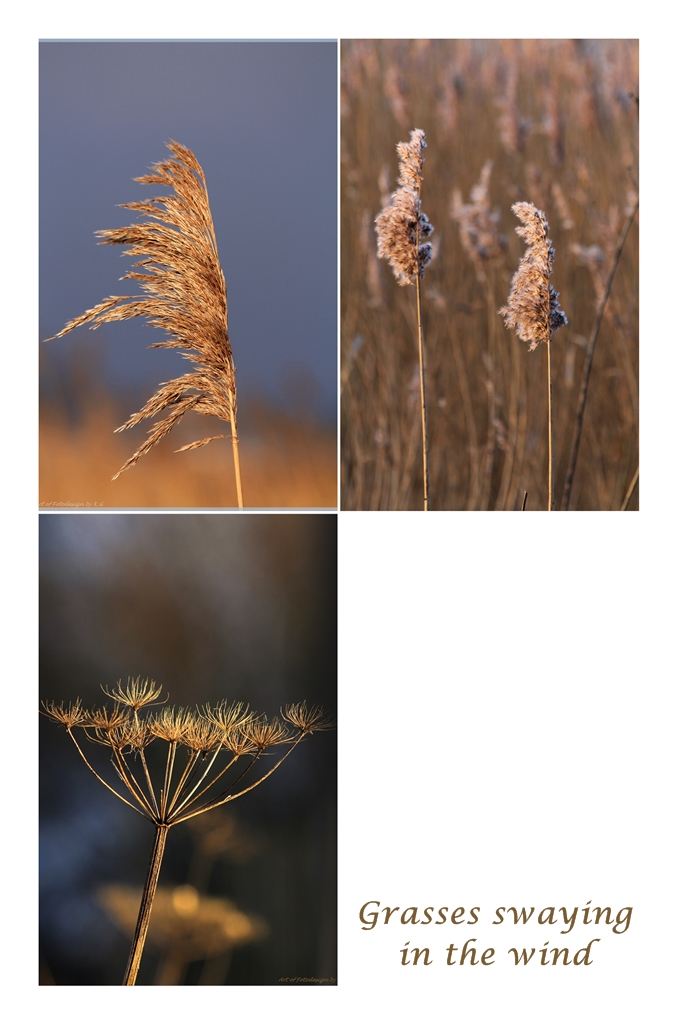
{"x":188,"y":274}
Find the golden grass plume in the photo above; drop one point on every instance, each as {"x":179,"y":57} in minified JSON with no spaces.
{"x":533,"y":310}
{"x":178,"y":268}
{"x":401,"y":223}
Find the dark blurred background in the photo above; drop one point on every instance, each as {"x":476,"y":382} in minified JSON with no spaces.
{"x":210,"y":607}
{"x":261,"y":120}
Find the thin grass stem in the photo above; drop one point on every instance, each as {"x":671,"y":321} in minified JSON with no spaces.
{"x":236,"y":453}
{"x":628,"y":494}
{"x":590,"y":351}
{"x":550,"y":456}
{"x":421,"y":375}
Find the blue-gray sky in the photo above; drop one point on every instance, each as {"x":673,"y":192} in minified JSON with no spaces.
{"x":261,"y":119}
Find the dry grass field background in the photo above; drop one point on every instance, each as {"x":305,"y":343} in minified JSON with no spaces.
{"x":559,"y":122}
{"x":288,"y":460}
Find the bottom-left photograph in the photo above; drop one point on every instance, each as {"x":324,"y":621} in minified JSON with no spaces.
{"x":187,"y":749}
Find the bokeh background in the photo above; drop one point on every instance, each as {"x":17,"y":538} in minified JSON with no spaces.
{"x":558,"y":120}
{"x":261,"y":120}
{"x":242,"y":607}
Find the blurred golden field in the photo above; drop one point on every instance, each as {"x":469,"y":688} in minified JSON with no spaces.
{"x":287,"y":462}
{"x":558,"y":119}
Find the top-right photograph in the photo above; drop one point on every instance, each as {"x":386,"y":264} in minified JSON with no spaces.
{"x":490,"y":275}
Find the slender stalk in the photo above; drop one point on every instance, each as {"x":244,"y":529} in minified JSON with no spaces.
{"x":213,"y":781}
{"x":421,"y":375}
{"x":103,"y":781}
{"x":199,"y":781}
{"x":127,"y":776}
{"x":146,"y":907}
{"x":583,"y":394}
{"x":234,"y":796}
{"x":628,"y":493}
{"x":524,"y":501}
{"x":192,"y":758}
{"x":169,"y":768}
{"x":149,"y":783}
{"x":236,"y":456}
{"x":549,"y":428}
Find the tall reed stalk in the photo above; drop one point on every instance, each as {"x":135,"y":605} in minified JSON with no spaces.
{"x":185,"y":296}
{"x":400,"y":227}
{"x":590,"y":352}
{"x":195,"y":742}
{"x":533,"y":310}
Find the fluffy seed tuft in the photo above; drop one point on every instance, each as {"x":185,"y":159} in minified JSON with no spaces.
{"x":533,"y":310}
{"x":401,"y":224}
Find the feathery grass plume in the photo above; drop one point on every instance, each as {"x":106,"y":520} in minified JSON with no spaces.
{"x":185,"y":296}
{"x":223,"y":745}
{"x":400,"y":226}
{"x":478,"y":223}
{"x":533,"y":310}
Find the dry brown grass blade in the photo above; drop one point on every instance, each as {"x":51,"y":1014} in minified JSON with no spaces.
{"x":186,"y":297}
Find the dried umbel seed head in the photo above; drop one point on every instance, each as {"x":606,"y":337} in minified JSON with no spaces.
{"x":533,"y":310}
{"x":136,"y":694}
{"x":401,"y":225}
{"x":306,"y":720}
{"x":263,"y":733}
{"x":228,"y":717}
{"x":69,"y":716}
{"x":171,"y":724}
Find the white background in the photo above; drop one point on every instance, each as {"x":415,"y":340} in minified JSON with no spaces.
{"x":506,"y":683}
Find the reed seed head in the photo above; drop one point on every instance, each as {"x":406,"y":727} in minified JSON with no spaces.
{"x":401,"y":225}
{"x":533,"y":309}
{"x":185,"y":296}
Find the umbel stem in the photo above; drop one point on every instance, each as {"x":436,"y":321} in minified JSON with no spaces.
{"x":147,"y":898}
